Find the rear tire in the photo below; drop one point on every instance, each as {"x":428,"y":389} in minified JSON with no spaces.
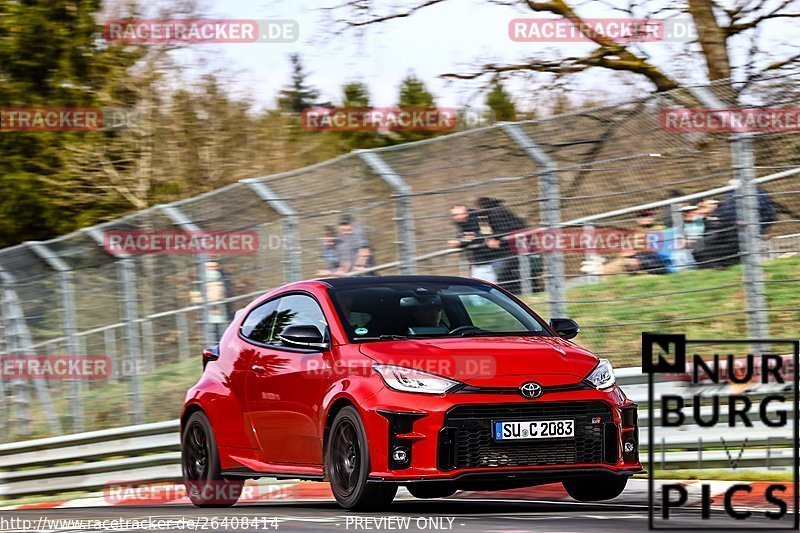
{"x":202,"y":476}
{"x":424,"y":491}
{"x":348,"y":466}
{"x":595,"y":488}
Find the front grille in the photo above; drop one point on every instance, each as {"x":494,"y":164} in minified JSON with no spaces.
{"x":466,"y":441}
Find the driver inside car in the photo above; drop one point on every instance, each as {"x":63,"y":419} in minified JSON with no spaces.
{"x":426,"y":315}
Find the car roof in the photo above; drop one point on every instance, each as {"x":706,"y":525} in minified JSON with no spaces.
{"x":360,"y":281}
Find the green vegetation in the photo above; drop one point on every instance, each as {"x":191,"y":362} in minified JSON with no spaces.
{"x":693,"y":302}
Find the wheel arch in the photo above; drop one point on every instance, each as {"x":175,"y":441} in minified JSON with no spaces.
{"x":190,"y":409}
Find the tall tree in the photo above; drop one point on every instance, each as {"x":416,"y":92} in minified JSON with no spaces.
{"x":299,"y":95}
{"x":49,"y":57}
{"x":501,"y":103}
{"x":355,"y":94}
{"x":737,"y":38}
{"x":413,"y":93}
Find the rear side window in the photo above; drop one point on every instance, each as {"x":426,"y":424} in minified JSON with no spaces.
{"x":259,"y":324}
{"x":264,"y":323}
{"x":298,"y":310}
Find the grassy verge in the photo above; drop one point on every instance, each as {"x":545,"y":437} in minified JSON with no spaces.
{"x":650,"y":303}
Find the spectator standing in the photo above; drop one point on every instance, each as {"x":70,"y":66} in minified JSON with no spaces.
{"x":353,"y":248}
{"x":217,"y":289}
{"x":480,"y":256}
{"x":329,"y":252}
{"x":496,"y":222}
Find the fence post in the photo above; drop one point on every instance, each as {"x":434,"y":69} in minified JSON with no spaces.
{"x":404,"y":219}
{"x":182,"y":221}
{"x":110,"y":344}
{"x":21,"y":343}
{"x":130,"y":316}
{"x":69,"y":325}
{"x":551,"y":213}
{"x":183,"y":330}
{"x":747,"y":220}
{"x":289,"y":224}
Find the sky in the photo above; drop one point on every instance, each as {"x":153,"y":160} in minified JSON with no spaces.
{"x":448,"y":37}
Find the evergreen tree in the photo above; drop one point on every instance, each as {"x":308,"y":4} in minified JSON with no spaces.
{"x":50,"y":57}
{"x":501,"y":103}
{"x":414,"y":94}
{"x":355,"y":94}
{"x":299,"y":95}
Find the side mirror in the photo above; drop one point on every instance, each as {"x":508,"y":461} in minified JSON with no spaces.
{"x":210,"y":354}
{"x":303,"y":337}
{"x":565,"y":327}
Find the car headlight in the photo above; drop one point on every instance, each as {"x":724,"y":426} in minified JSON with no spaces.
{"x":602,"y":376}
{"x":409,"y":380}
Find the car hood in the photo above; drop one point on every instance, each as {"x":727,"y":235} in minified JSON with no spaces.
{"x":489,"y":361}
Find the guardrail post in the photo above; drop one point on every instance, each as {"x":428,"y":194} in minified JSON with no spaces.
{"x":748,"y":221}
{"x":404,"y":219}
{"x":126,"y":269}
{"x":292,"y":252}
{"x":182,"y":221}
{"x":69,"y":325}
{"x":551,"y":213}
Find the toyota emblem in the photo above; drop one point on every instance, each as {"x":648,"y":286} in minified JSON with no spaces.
{"x":530,"y":390}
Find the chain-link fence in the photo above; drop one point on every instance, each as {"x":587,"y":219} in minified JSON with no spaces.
{"x":724,"y":204}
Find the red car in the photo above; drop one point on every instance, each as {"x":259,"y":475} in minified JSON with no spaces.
{"x":434,"y":383}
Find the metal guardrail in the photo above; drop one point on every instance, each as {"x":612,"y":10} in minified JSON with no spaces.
{"x":148,"y":453}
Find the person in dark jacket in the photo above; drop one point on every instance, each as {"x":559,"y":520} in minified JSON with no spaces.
{"x":496,"y":222}
{"x":481,"y":257}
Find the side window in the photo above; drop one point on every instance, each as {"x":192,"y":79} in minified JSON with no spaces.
{"x":259,"y":324}
{"x":298,"y":310}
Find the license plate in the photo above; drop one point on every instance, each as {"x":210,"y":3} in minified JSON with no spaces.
{"x":538,"y":429}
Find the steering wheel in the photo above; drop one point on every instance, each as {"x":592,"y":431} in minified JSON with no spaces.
{"x":461,"y":329}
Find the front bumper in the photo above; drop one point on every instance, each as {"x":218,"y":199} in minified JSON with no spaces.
{"x":447,"y":437}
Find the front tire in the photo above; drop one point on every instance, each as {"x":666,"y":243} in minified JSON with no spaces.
{"x":595,"y":488}
{"x":348,"y":466}
{"x":201,"y":469}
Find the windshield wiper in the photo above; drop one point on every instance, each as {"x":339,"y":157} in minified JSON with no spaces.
{"x":475,"y":333}
{"x":382,"y":338}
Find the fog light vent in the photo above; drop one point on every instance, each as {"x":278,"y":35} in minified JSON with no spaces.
{"x":400,"y":455}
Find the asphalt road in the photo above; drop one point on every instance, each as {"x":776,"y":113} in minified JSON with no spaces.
{"x":485,"y":516}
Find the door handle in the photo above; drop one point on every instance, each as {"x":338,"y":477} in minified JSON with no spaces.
{"x":258,"y":369}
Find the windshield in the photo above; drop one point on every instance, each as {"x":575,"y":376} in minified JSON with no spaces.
{"x":431,"y":309}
